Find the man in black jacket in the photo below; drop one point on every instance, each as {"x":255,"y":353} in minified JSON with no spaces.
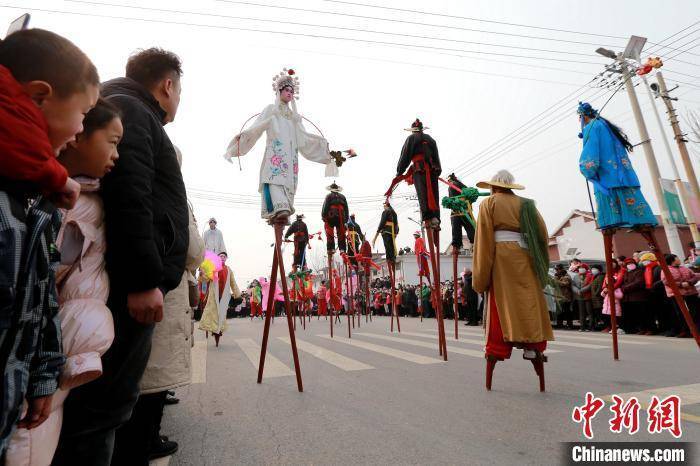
{"x":301,"y":239}
{"x":146,"y":231}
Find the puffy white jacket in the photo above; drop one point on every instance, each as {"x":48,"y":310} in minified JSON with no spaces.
{"x":86,"y":322}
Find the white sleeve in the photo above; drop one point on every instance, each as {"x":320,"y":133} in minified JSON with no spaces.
{"x":242,"y":143}
{"x":315,"y":149}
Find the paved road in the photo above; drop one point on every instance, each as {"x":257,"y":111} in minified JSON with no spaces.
{"x":383,"y":398}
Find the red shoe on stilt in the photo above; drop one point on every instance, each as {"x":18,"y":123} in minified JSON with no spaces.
{"x":490,"y":365}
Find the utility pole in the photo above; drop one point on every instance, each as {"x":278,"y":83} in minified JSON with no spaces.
{"x":685,"y":157}
{"x":674,"y":240}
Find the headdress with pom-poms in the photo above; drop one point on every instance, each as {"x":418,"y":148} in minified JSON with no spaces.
{"x":286,"y":77}
{"x":584,"y":108}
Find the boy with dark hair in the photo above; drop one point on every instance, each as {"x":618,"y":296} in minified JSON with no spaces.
{"x":47,"y":85}
{"x":146,"y":223}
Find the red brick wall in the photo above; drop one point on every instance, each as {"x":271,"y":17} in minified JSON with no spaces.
{"x":625,"y":243}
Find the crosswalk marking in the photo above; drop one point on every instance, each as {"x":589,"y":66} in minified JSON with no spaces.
{"x":690,"y":394}
{"x":273,"y":366}
{"x":199,"y":362}
{"x":338,"y":360}
{"x":602,"y":339}
{"x":559,"y":343}
{"x":422,"y":344}
{"x":461,"y":340}
{"x":406,"y":356}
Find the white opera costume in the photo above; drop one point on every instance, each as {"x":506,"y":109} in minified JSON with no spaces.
{"x":286,"y":139}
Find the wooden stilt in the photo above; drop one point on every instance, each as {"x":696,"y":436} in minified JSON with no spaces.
{"x":357,"y":312}
{"x":455,"y":253}
{"x":278,"y":262}
{"x":345,"y":269}
{"x":436,"y":241}
{"x":270,"y":302}
{"x":648,"y":234}
{"x":394,"y":312}
{"x":351,"y":295}
{"x":437,"y":299}
{"x":420,"y":296}
{"x":368,"y":309}
{"x":607,"y":241}
{"x":330,"y":285}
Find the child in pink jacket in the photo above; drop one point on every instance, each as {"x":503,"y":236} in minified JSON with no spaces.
{"x":83,"y":286}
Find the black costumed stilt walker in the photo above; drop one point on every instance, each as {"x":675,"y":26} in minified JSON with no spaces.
{"x":301,"y":240}
{"x":459,"y":201}
{"x":389,"y":228}
{"x":419,"y":165}
{"x":355,"y":240}
{"x":335,"y":213}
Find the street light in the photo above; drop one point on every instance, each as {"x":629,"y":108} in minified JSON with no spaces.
{"x":606,"y":53}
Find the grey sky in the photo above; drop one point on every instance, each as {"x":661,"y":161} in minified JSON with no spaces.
{"x":362,"y":94}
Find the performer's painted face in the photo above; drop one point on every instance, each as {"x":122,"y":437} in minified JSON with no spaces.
{"x":287,"y":94}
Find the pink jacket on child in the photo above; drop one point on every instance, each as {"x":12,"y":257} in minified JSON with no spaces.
{"x":86,"y":322}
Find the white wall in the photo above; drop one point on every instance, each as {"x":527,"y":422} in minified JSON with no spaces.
{"x":407,"y":268}
{"x":583,"y":236}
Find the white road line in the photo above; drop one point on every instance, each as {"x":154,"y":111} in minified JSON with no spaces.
{"x":273,"y":366}
{"x":423,"y":344}
{"x":690,"y":394}
{"x":603,"y":339}
{"x":558,"y":342}
{"x":461,"y":340}
{"x":199,"y":362}
{"x":331,"y":357}
{"x":406,"y":356}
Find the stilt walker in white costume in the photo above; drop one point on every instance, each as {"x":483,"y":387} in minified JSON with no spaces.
{"x":286,"y":139}
{"x":279,"y":173}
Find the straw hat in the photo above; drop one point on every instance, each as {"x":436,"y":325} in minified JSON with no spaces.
{"x":502,"y":179}
{"x":416,"y":127}
{"x":334,"y":188}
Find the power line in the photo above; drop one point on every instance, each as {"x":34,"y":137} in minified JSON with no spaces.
{"x":525,"y":125}
{"x":293,"y":23}
{"x":503,"y":23}
{"x":659,"y":46}
{"x":423,"y":24}
{"x":285,"y":33}
{"x":471,"y":57}
{"x":479,"y":163}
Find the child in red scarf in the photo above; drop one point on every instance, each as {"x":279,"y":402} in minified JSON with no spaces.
{"x":47,"y":85}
